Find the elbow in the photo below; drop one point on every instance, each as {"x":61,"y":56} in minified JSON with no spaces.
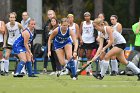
{"x":111,"y":42}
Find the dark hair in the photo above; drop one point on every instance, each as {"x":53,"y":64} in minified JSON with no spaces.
{"x":50,"y":25}
{"x":115,"y":16}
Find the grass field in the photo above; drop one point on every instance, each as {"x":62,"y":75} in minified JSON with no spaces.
{"x":64,"y":84}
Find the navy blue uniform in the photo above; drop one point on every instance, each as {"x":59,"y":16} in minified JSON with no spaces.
{"x":18,"y":45}
{"x":61,"y":40}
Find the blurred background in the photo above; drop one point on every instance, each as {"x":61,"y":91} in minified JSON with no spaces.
{"x":128,"y":11}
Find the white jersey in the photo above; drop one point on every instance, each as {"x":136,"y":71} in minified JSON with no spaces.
{"x":115,"y":27}
{"x":13,"y":32}
{"x":73,"y":28}
{"x":118,"y":38}
{"x":1,"y":35}
{"x":88,"y":32}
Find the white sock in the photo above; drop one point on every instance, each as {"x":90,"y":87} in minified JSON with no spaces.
{"x":88,"y":69}
{"x":6,"y":65}
{"x":104,"y":68}
{"x":2,"y":65}
{"x":23,"y":70}
{"x":76,"y":63}
{"x":101,"y":64}
{"x":114,"y":65}
{"x":133,"y":67}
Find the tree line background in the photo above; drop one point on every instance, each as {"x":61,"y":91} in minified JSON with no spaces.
{"x":128,"y":11}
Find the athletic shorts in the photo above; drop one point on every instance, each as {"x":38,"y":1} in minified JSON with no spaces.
{"x":19,"y":49}
{"x":1,"y":46}
{"x":8,"y":46}
{"x":122,"y":46}
{"x":60,"y":45}
{"x":89,"y":46}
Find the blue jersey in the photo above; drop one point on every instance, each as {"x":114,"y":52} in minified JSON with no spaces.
{"x":61,"y":39}
{"x":18,"y":45}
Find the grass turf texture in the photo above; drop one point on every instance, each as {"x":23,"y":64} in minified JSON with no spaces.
{"x":64,"y":84}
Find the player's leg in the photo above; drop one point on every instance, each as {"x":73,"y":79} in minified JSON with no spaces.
{"x":105,"y":61}
{"x":45,"y":61}
{"x":6,"y":60}
{"x":114,"y":66}
{"x":53,"y":63}
{"x":1,"y":60}
{"x":68,"y":50}
{"x":129,"y":64}
{"x":88,"y":55}
{"x":61,"y":56}
{"x":23,"y":60}
{"x":29,"y":65}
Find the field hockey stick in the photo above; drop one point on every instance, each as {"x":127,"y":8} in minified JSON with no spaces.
{"x":58,"y":74}
{"x":90,"y":62}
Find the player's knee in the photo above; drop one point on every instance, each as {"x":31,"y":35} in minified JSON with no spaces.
{"x":69,"y":57}
{"x":106,"y":57}
{"x":7,"y":57}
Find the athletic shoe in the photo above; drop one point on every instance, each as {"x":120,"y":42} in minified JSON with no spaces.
{"x":17,"y":75}
{"x":98,"y":76}
{"x":89,"y":74}
{"x":130,"y":73}
{"x":138,"y":77}
{"x":113,"y":73}
{"x":44,"y":71}
{"x":2,"y":73}
{"x":95,"y":75}
{"x":23,"y":73}
{"x":74,"y":78}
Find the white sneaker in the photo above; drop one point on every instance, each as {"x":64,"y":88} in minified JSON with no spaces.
{"x":53,"y":73}
{"x":90,"y":73}
{"x":74,"y":78}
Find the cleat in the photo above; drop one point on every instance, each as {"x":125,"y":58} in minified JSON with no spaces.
{"x":89,"y":74}
{"x":98,"y":76}
{"x":2,"y":73}
{"x":113,"y":73}
{"x":17,"y":75}
{"x":74,"y":78}
{"x":23,"y":73}
{"x":138,"y":77}
{"x":95,"y":75}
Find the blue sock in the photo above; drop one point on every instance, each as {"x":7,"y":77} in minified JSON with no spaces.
{"x":20,"y":66}
{"x":29,"y":67}
{"x":35,"y":66}
{"x":72,"y":67}
{"x":68,"y":65}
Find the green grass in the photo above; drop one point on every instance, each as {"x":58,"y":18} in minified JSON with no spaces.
{"x":64,"y":84}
